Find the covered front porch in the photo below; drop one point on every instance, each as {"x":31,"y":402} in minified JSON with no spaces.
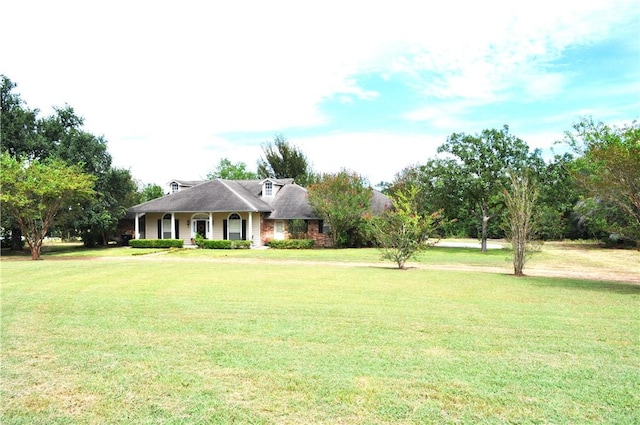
{"x":210,"y":225}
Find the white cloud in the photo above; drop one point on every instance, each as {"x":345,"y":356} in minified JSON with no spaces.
{"x":163,"y":80}
{"x":378,"y":156}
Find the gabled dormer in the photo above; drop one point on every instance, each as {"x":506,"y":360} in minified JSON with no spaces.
{"x":271,"y":187}
{"x":177,"y":185}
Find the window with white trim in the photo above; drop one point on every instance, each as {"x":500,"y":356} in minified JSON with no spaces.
{"x":166,"y":226}
{"x":268,"y":188}
{"x":235,"y":227}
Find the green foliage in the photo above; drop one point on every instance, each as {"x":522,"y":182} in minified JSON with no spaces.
{"x":402,"y":231}
{"x":156,"y":243}
{"x":297,"y":228}
{"x":229,"y":171}
{"x":60,"y":136}
{"x":342,"y":200}
{"x":283,"y":160}
{"x":292,"y":244}
{"x":98,"y":219}
{"x":558,"y":195}
{"x":35,"y":192}
{"x":221,"y":244}
{"x":149,"y":192}
{"x":609,"y":172}
{"x":439,"y":189}
{"x":480,"y":170}
{"x":63,"y":133}
{"x":18,"y":124}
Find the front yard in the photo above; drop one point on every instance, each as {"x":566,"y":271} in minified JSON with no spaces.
{"x":275,"y":337}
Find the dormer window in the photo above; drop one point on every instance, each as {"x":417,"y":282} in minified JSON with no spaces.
{"x":268,"y":188}
{"x":174,"y":187}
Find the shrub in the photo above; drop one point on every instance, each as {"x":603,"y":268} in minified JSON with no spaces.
{"x":292,"y":244}
{"x":222,"y":244}
{"x":156,"y":243}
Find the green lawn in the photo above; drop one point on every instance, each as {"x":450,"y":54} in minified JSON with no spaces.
{"x":173,"y":339}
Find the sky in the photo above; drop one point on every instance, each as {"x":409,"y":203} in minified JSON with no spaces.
{"x":367,"y":86}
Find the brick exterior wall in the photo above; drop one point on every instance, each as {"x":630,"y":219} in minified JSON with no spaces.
{"x":313,"y":231}
{"x":267,"y":227}
{"x":266,"y":230}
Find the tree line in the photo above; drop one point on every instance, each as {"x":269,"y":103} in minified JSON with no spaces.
{"x":53,"y":169}
{"x":468,"y":190}
{"x":592,"y":191}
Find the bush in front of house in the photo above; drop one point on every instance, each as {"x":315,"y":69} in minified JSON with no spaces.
{"x":292,"y":244}
{"x":221,"y":244}
{"x":156,"y":243}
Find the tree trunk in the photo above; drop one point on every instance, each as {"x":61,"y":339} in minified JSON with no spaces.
{"x":485,"y":221}
{"x":35,"y":249}
{"x":519,"y":252}
{"x":35,"y":253}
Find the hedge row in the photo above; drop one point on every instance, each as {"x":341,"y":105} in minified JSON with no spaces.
{"x":292,"y":244}
{"x":156,"y":243}
{"x":222,"y":244}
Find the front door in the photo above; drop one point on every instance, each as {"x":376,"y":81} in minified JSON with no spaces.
{"x":201,"y":228}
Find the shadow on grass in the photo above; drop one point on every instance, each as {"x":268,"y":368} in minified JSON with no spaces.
{"x":586,"y":285}
{"x":52,"y":251}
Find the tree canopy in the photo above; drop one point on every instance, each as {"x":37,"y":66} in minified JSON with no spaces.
{"x":149,"y":192}
{"x":608,"y":173}
{"x":61,"y":136}
{"x":283,"y":160}
{"x":482,"y":161}
{"x":230,"y":171}
{"x":33,"y":192}
{"x":342,"y":199}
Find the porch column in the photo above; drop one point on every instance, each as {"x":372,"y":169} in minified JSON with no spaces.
{"x":250,"y":225}
{"x":210,"y":232}
{"x":136,"y":226}
{"x":173,"y":225}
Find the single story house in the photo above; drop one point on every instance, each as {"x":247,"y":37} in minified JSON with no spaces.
{"x":255,"y":210}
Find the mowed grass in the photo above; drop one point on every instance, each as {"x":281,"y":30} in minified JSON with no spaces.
{"x":174,"y":339}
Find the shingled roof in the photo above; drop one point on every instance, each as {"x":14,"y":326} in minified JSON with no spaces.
{"x":214,"y":195}
{"x":291,"y":203}
{"x":220,"y":195}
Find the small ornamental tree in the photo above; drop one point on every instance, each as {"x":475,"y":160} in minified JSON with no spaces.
{"x":33,"y":193}
{"x":401,"y":231}
{"x":342,"y":200}
{"x":520,"y":201}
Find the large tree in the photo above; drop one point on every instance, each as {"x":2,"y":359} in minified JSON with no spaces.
{"x":97,"y":219}
{"x":557,"y":197}
{"x":18,"y":137}
{"x":342,"y":199}
{"x":61,"y":136}
{"x":230,"y":171}
{"x":284,"y":160}
{"x":608,"y":172}
{"x":34,"y":192}
{"x":482,"y":161}
{"x":441,"y":183}
{"x":149,"y":192}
